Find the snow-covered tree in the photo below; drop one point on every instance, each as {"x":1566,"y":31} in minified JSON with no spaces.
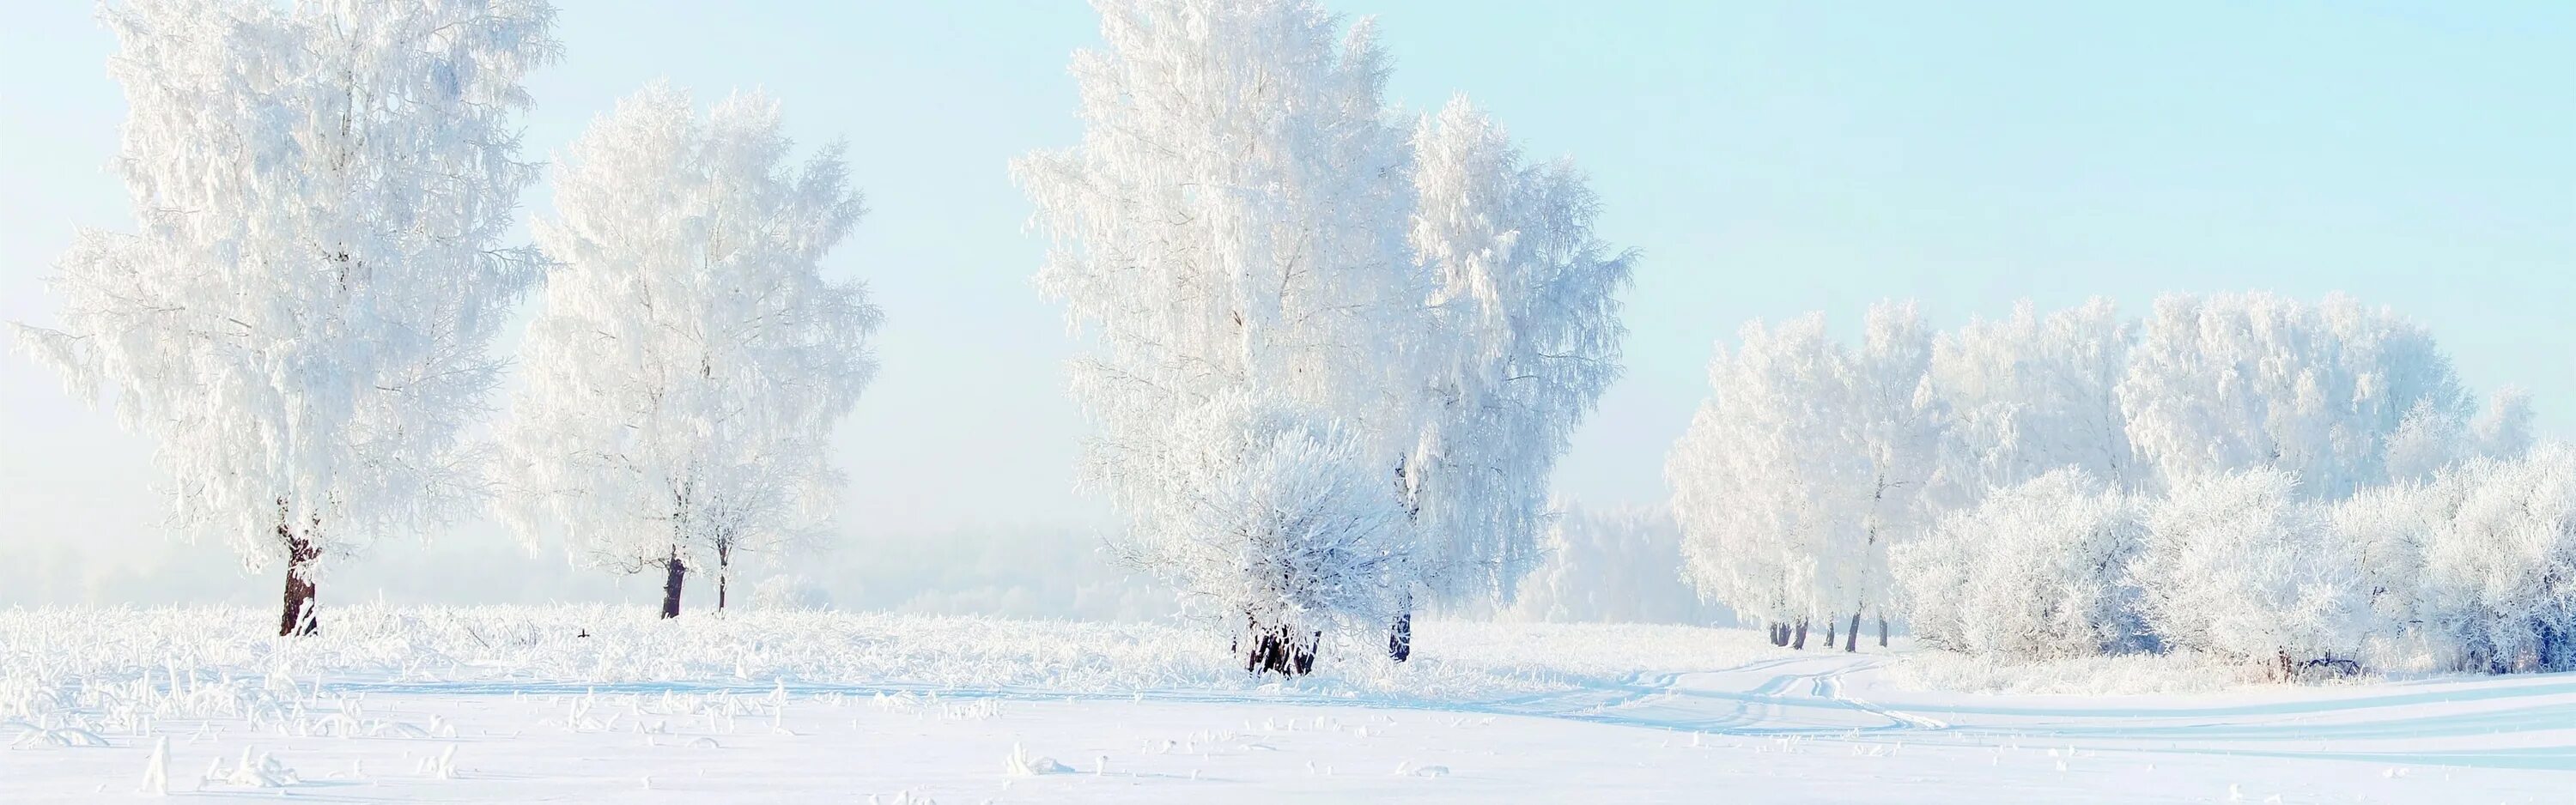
{"x":2033,"y":571}
{"x":1898,"y":423}
{"x":1231,"y":228}
{"x":690,"y":361}
{"x":2030,"y":394}
{"x":1760,"y":481}
{"x":1521,"y":339}
{"x":301,"y":321}
{"x":2226,"y":383}
{"x":2241,"y":565}
{"x":1242,"y":217}
{"x":1807,"y":462}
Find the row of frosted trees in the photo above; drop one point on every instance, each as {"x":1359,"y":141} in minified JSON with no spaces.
{"x":1341,"y":346}
{"x":1340,"y":349}
{"x":302,"y":321}
{"x":2242,"y":476}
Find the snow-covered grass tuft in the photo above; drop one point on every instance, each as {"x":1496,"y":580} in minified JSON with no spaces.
{"x":1020,"y":764}
{"x":2126,"y":674}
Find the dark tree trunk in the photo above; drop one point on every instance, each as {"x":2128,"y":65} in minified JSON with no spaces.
{"x":1399,"y":638}
{"x":297,"y":619}
{"x":1780,"y":634}
{"x":1852,"y":643}
{"x":677,"y":572}
{"x":1882,"y":631}
{"x":1830,"y":624}
{"x":724,"y":572}
{"x":1799,"y":639}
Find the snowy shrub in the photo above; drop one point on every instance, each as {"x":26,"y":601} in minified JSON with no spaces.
{"x":2239,"y":566}
{"x":2035,"y":571}
{"x":1266,"y":518}
{"x":2499,"y":573}
{"x":2387,"y":529}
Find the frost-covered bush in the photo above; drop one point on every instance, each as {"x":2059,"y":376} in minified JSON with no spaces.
{"x":2499,"y":572}
{"x":2387,"y":529}
{"x":1267,"y":519}
{"x":2035,"y":571}
{"x":2238,"y":566}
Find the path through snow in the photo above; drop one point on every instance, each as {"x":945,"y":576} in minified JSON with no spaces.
{"x":1807,"y":728}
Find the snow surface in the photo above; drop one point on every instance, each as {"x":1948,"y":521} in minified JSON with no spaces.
{"x":509,"y":704}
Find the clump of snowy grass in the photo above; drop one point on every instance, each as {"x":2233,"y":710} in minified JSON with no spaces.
{"x":2124,"y":674}
{"x":263,"y":772}
{"x":1020,"y":764}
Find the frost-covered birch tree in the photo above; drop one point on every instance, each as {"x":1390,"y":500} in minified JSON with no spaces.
{"x":300,"y":321}
{"x":1243,"y":222}
{"x":2030,"y":394}
{"x":1760,"y":479}
{"x":1897,"y":424}
{"x":1231,"y":227}
{"x":1807,"y":462}
{"x":691,"y":360}
{"x":1521,"y":338}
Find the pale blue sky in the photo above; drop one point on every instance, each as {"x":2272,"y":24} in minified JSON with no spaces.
{"x":1768,"y":159}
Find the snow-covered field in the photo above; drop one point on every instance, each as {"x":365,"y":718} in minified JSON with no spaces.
{"x":512,"y":704}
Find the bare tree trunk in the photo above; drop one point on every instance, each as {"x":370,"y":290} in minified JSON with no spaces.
{"x":724,"y":572}
{"x":297,"y":619}
{"x":1799,"y":641}
{"x":1882,"y":631}
{"x":1399,"y":638}
{"x":1829,"y":631}
{"x":1852,"y":643}
{"x":678,"y":572}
